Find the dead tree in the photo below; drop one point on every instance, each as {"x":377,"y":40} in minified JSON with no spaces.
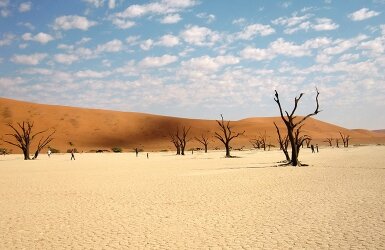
{"x":182,"y":138}
{"x":307,"y":141}
{"x":345,"y":139}
{"x":293,"y":127}
{"x":262,"y":139}
{"x":175,"y":141}
{"x":204,"y":139}
{"x":24,"y":137}
{"x":330,"y":141}
{"x":227,"y":136}
{"x":256,"y":143}
{"x":283,"y":143}
{"x":337,"y":142}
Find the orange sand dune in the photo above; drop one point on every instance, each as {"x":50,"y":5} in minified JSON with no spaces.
{"x":90,"y":129}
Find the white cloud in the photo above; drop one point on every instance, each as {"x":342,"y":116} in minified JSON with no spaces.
{"x":341,"y":45}
{"x":324,"y":24}
{"x":168,"y":41}
{"x":155,"y":62}
{"x":147,"y":45}
{"x":291,"y":21}
{"x":92,"y":74}
{"x":122,"y":23}
{"x":375,"y":46}
{"x":7,"y":39}
{"x":73,"y":22}
{"x":200,"y":36}
{"x":363,"y":14}
{"x":111,"y":4}
{"x":25,"y":7}
{"x":66,"y":58}
{"x":280,"y":46}
{"x":252,"y":30}
{"x":4,"y":4}
{"x":208,"y":64}
{"x":41,"y":37}
{"x":32,"y":59}
{"x":257,"y":54}
{"x":239,"y":21}
{"x":111,"y":46}
{"x":27,"y":25}
{"x":172,"y":18}
{"x":132,"y":40}
{"x":156,"y":7}
{"x":10,"y":81}
{"x":96,"y":3}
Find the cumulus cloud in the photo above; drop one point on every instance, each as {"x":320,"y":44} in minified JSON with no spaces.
{"x":209,"y":64}
{"x":122,"y":23}
{"x":111,"y":4}
{"x":156,"y":62}
{"x":4,"y":4}
{"x":72,"y":22}
{"x":66,"y":58}
{"x":96,"y":3}
{"x":6,"y":82}
{"x":257,"y":54}
{"x":296,"y":23}
{"x":147,"y":44}
{"x":291,"y":21}
{"x":32,"y":59}
{"x":172,"y":18}
{"x":111,"y":46}
{"x":209,"y":17}
{"x":200,"y":36}
{"x":250,"y":31}
{"x":41,"y":37}
{"x":324,"y":24}
{"x":363,"y":14}
{"x":92,"y":74}
{"x":168,"y":41}
{"x":25,"y":7}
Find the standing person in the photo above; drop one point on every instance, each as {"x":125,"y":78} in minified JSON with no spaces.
{"x":72,"y":154}
{"x":136,"y":152}
{"x":49,"y":153}
{"x":316,"y":146}
{"x":147,"y":155}
{"x":312,"y":148}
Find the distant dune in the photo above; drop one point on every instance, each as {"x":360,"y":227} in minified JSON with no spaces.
{"x":91,"y":129}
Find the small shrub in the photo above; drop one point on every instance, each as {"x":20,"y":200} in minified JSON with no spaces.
{"x":117,"y":150}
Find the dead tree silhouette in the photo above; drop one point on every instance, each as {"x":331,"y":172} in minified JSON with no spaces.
{"x":330,"y":141}
{"x":294,"y":127}
{"x":204,"y":140}
{"x":182,"y":138}
{"x":24,"y":137}
{"x":175,"y":141}
{"x":227,"y":136}
{"x":345,"y":139}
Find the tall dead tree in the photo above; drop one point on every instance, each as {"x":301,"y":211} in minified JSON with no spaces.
{"x":24,"y":137}
{"x":263,"y":139}
{"x":345,"y":139}
{"x":227,"y":136}
{"x":182,"y":138}
{"x":283,"y":143}
{"x":204,"y":140}
{"x":293,"y":126}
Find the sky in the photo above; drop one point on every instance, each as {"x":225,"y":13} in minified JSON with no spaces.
{"x":198,"y":58}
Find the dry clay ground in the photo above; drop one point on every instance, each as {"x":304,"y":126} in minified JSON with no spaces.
{"x":200,"y":201}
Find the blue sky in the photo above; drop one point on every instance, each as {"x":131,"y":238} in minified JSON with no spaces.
{"x":198,"y":58}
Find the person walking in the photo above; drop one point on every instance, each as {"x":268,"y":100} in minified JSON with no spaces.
{"x":49,"y":152}
{"x":312,"y":148}
{"x":72,"y":154}
{"x":316,"y":146}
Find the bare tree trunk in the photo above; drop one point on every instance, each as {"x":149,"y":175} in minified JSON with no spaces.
{"x":227,"y":134}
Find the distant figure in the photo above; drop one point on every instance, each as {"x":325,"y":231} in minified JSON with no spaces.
{"x":192,"y":151}
{"x":49,"y":153}
{"x":147,"y":155}
{"x":4,"y":152}
{"x":312,"y":148}
{"x":136,"y":152}
{"x":72,"y":154}
{"x":316,"y":146}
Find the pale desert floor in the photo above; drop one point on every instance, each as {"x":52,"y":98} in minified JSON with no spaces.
{"x":200,"y":201}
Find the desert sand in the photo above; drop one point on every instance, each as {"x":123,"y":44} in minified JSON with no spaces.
{"x":199,"y":201}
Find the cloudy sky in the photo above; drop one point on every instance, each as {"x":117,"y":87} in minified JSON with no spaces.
{"x":198,"y":58}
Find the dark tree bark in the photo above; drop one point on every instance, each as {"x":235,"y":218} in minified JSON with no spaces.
{"x":182,"y":138}
{"x":227,"y":136}
{"x":293,"y":127}
{"x":204,"y":140}
{"x":283,"y":143}
{"x":24,"y":137}
{"x":307,"y":141}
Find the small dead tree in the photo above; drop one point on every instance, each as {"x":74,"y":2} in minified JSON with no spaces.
{"x":293,"y":127}
{"x":345,"y":139}
{"x":262,"y":139}
{"x":330,"y":141}
{"x":256,"y":143}
{"x":337,"y":142}
{"x":24,"y":137}
{"x":283,"y":143}
{"x":204,"y":140}
{"x":307,"y":141}
{"x":182,"y":138}
{"x":227,"y":136}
